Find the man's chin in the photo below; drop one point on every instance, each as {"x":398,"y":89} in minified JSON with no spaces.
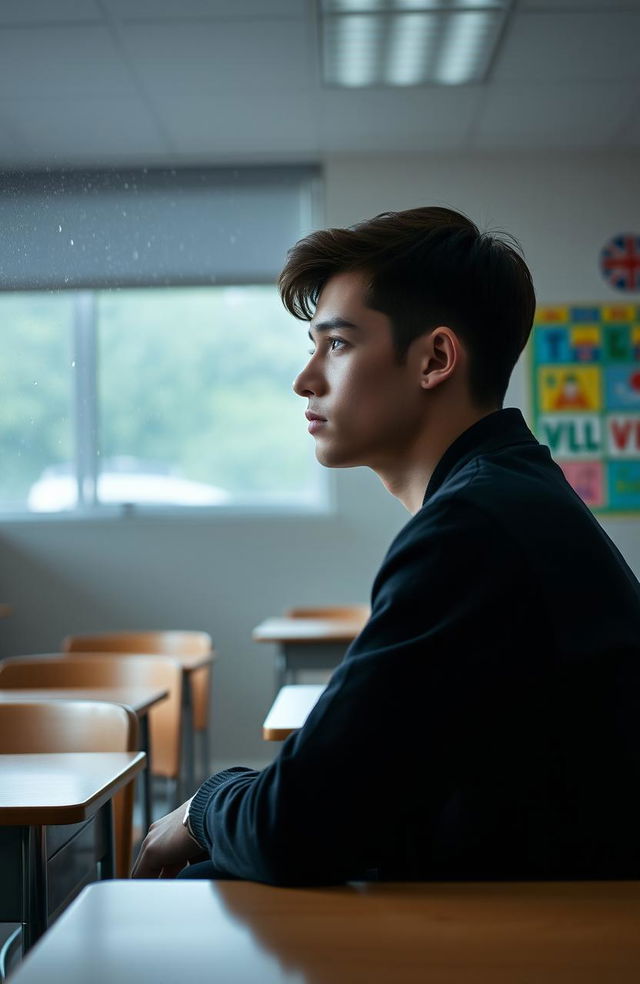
{"x":333,"y":458}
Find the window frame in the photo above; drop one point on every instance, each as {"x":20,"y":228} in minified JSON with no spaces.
{"x":84,"y":348}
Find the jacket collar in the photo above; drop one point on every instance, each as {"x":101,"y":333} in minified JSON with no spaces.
{"x":500,"y":429}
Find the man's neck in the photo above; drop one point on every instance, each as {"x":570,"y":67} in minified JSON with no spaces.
{"x":407,"y":477}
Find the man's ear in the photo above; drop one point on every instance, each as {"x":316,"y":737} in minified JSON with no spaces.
{"x":442,"y":355}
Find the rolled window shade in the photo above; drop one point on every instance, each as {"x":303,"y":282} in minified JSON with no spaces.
{"x":151,"y":227}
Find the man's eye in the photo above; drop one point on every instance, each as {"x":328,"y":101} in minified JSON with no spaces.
{"x":336,"y":343}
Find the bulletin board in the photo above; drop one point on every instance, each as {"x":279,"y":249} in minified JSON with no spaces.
{"x":585,"y":382}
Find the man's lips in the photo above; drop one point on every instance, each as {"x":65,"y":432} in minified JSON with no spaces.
{"x":316,"y":422}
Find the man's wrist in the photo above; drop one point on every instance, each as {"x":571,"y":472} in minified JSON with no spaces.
{"x":186,"y":823}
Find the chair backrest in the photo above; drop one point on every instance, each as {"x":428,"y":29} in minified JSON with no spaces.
{"x":101,"y":670}
{"x":41,"y":726}
{"x":32,"y":727}
{"x":167,"y":643}
{"x":346,"y":612}
{"x":170,"y":642}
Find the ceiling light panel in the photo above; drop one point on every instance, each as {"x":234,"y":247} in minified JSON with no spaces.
{"x":409,"y":42}
{"x":393,"y":6}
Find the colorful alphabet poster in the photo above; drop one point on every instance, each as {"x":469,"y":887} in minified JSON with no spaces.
{"x":586,"y":399}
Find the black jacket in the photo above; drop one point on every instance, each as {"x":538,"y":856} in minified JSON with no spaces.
{"x":486,"y":721}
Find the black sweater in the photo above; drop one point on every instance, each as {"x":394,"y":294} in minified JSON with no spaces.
{"x":486,"y":721}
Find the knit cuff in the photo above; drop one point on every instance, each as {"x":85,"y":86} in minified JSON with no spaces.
{"x":202,"y":799}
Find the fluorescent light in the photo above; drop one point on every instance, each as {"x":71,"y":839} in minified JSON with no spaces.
{"x":392,"y":6}
{"x":403,"y":45}
{"x":353,"y":6}
{"x":352,"y":50}
{"x":410,"y":49}
{"x":466,"y":47}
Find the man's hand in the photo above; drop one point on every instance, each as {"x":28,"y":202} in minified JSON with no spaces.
{"x":167,"y":848}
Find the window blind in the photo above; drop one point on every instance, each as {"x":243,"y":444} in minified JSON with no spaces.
{"x":151,"y":227}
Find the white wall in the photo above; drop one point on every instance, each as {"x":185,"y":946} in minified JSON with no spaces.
{"x":224,"y":577}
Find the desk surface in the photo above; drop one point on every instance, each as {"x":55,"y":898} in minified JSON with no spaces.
{"x":142,"y":932}
{"x":61,"y":788}
{"x":138,"y":700}
{"x":309,"y":630}
{"x":290,"y":710}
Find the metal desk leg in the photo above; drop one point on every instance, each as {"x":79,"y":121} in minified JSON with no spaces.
{"x":284,"y":673}
{"x":145,"y":745}
{"x":35,"y":889}
{"x":108,"y":862}
{"x":185,"y":787}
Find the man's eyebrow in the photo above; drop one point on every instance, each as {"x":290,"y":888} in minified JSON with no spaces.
{"x":331,"y":323}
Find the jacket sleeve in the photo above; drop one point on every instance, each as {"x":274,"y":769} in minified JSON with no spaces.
{"x":378,"y":750}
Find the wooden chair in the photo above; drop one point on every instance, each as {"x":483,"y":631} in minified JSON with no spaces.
{"x":172,"y":642}
{"x":91,"y":670}
{"x":41,"y":726}
{"x":346,"y":612}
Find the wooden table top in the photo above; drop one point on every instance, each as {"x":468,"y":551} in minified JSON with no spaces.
{"x":307,"y":630}
{"x":290,"y":710}
{"x":142,"y":932}
{"x":63,"y":787}
{"x":137,"y":699}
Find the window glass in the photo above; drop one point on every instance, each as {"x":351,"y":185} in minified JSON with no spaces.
{"x":195,"y":405}
{"x":37,"y":382}
{"x":190,"y":388}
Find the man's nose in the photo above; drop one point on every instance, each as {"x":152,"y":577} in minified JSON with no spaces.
{"x":308,"y":382}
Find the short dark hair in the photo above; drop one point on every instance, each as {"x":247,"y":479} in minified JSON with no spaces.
{"x":427,"y":266}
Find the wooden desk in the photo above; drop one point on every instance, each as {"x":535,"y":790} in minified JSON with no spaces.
{"x":290,"y":710}
{"x":42,"y":866}
{"x":139,"y":932}
{"x":307,"y":643}
{"x":140,"y":701}
{"x":191,"y":664}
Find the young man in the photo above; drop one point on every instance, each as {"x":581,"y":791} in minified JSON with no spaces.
{"x":485,"y":723}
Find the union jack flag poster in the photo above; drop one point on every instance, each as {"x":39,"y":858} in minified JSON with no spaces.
{"x":620,"y":262}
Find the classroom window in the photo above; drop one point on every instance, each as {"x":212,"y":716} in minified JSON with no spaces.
{"x":144,"y":398}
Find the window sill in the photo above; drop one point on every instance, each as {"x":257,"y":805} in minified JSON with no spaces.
{"x":130,"y":513}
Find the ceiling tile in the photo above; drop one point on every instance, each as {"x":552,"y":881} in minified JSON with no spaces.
{"x":225,"y":9}
{"x":46,"y":12}
{"x":14,"y":145}
{"x":631,"y":133}
{"x":221,"y":59}
{"x":569,"y":115}
{"x":570,"y":46}
{"x":554,"y":5}
{"x":84,"y":131}
{"x":252,"y":126}
{"x":384,"y":120}
{"x":61,"y":62}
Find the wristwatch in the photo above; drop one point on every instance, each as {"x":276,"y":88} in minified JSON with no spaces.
{"x":186,"y":822}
